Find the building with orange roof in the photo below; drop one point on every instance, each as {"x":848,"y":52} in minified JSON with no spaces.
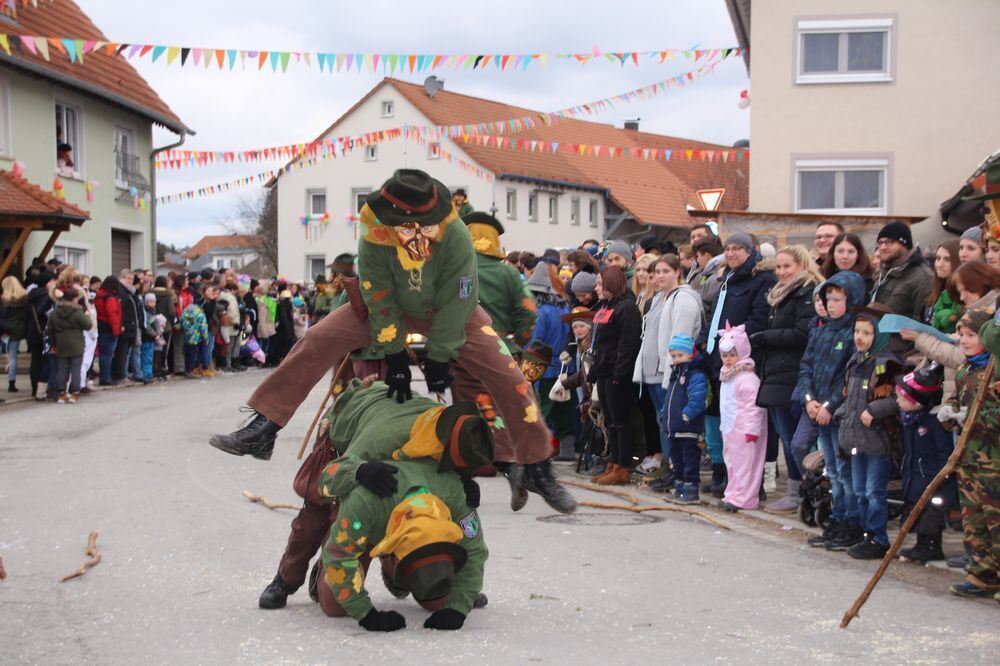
{"x":543,"y":198}
{"x":82,"y":131}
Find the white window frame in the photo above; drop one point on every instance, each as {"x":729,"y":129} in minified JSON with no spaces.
{"x":574,"y":211}
{"x":593,"y":211}
{"x":121,"y":130}
{"x":533,"y":207}
{"x":220,"y":263}
{"x":86,"y":249}
{"x":77,"y":143}
{"x":840,"y":165}
{"x":310,"y":258}
{"x":371,"y":152}
{"x":310,"y":196}
{"x":553,"y":209}
{"x":6,"y":140}
{"x":843,"y":27}
{"x":357,"y":192}
{"x":434,"y":150}
{"x":388,"y":108}
{"x":511,"y":203}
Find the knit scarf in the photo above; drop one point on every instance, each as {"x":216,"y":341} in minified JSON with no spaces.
{"x":780,"y":292}
{"x":729,"y":372}
{"x":978,"y":361}
{"x":910,"y":418}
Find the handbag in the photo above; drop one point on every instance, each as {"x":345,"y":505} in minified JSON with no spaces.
{"x":558,"y":392}
{"x":306,"y":482}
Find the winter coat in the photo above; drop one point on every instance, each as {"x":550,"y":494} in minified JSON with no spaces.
{"x":745,"y":303}
{"x":131,"y":312}
{"x":37,"y":317}
{"x":109,"y":313}
{"x":616,"y":339}
{"x":926,"y":448}
{"x":684,"y":404}
{"x":550,"y":329}
{"x":285,"y":322}
{"x":228,"y":309}
{"x":266,"y":318}
{"x":680,"y":311}
{"x":944,"y":314}
{"x":868,"y":385}
{"x":903,"y":287}
{"x":195,"y":325}
{"x":65,"y":329}
{"x":706,"y":282}
{"x":150,"y":329}
{"x":782,"y":344}
{"x":14,"y":319}
{"x":507,"y":301}
{"x":250,"y":308}
{"x":184,"y":299}
{"x":166,"y":304}
{"x":821,"y":373}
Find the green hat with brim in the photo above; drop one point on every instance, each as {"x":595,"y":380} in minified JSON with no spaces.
{"x":467,"y":438}
{"x":538,"y":352}
{"x":413,"y":196}
{"x":479,"y":217}
{"x":990,"y":187}
{"x":428,"y":572}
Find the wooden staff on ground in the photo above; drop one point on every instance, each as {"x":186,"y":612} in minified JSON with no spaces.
{"x":948,"y":468}
{"x":260,"y":499}
{"x":92,"y":553}
{"x":633,"y":507}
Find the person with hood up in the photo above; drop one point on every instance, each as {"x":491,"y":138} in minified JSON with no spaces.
{"x":821,"y":389}
{"x":682,"y":418}
{"x":743,"y":423}
{"x":866,"y":423}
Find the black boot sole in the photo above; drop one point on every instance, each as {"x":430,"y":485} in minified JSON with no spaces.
{"x":218,"y":443}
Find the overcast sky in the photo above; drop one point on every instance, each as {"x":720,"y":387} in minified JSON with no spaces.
{"x":248,"y":109}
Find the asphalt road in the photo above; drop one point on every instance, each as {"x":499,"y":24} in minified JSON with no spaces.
{"x":185,"y":557}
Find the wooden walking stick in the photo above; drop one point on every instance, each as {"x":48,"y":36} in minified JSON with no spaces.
{"x":322,"y":408}
{"x":948,"y":468}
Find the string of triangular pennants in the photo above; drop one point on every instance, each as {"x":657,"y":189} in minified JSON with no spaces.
{"x":184,"y":158}
{"x":333,"y":62}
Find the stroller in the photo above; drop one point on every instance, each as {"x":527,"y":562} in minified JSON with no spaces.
{"x":817,"y":502}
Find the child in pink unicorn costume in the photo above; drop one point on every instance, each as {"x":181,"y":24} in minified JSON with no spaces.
{"x":744,"y":424}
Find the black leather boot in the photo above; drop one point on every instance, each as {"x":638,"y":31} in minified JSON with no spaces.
{"x":928,"y":549}
{"x":276,"y":594}
{"x":720,"y":479}
{"x":255,"y":438}
{"x":538,"y":479}
{"x":515,"y":477}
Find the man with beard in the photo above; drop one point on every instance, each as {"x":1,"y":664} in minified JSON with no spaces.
{"x":417,"y":269}
{"x":904,"y":280}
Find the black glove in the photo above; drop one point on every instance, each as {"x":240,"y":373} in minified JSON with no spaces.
{"x":377,"y":620}
{"x":446,"y":618}
{"x":438,"y":376}
{"x":377,"y":477}
{"x":471,"y":489}
{"x":398,"y":376}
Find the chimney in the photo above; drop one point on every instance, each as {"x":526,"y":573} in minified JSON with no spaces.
{"x":632,"y":124}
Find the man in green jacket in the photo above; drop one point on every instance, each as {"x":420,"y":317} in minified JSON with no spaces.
{"x":418,"y":274}
{"x":65,"y":330}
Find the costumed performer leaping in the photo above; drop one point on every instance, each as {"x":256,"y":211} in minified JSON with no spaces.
{"x":362,"y":427}
{"x":418,"y":274}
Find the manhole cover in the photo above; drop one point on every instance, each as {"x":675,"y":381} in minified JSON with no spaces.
{"x":603,"y":519}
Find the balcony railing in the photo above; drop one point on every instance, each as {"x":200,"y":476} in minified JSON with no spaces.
{"x":128,"y":174}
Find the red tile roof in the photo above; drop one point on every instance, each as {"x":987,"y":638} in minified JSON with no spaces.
{"x":652,"y":191}
{"x":109,"y":76}
{"x":209,"y":243}
{"x":21,"y":198}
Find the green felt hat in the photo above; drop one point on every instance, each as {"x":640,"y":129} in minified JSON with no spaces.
{"x":410,"y":195}
{"x":479,"y":217}
{"x":990,"y":188}
{"x":428,"y":571}
{"x":538,"y":352}
{"x":467,"y":438}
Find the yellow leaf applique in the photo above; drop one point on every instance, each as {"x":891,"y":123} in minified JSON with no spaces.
{"x":530,"y":414}
{"x":335,"y":575}
{"x":341,"y":536}
{"x":366,"y":284}
{"x":488,"y":330}
{"x":387,"y":334}
{"x":361,"y":540}
{"x":359,"y":581}
{"x":512,"y":365}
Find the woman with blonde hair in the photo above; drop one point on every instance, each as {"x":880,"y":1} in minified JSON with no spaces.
{"x":642,"y":285}
{"x":13,"y":322}
{"x":781,"y":346}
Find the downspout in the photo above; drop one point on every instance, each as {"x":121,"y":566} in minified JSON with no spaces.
{"x":152,"y":192}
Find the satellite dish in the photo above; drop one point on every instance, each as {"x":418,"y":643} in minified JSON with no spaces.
{"x":432,"y":84}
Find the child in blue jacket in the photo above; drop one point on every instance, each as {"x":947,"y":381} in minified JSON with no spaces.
{"x":926,"y":448}
{"x":821,"y":389}
{"x":683,"y":416}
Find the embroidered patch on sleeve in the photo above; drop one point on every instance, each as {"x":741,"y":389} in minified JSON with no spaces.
{"x":470,"y":525}
{"x":465,"y":287}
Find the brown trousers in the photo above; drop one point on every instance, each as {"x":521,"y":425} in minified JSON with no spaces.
{"x":341,"y":332}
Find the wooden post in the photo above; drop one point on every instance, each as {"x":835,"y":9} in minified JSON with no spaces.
{"x":44,"y":254}
{"x":15,"y":250}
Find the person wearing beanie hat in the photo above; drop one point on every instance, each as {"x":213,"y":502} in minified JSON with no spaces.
{"x":618,"y":253}
{"x":742,"y":240}
{"x":970,"y":245}
{"x":867,"y":422}
{"x":584,"y":287}
{"x":903,"y":282}
{"x":682,"y":418}
{"x":979,"y":467}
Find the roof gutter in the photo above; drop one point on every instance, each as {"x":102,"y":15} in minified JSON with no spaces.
{"x":555,"y":183}
{"x":38,"y":70}
{"x":152,"y":190}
